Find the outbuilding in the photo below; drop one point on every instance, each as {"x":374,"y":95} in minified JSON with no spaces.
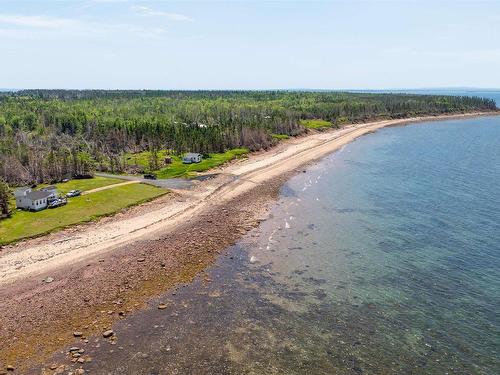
{"x":191,"y":157}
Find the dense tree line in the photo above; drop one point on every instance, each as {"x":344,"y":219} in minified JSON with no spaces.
{"x":5,"y":195}
{"x":47,"y":135}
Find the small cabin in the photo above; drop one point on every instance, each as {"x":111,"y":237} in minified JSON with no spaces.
{"x":37,"y":200}
{"x":168,"y":160}
{"x":191,"y":157}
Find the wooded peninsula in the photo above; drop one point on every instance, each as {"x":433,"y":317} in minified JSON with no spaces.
{"x":50,"y":135}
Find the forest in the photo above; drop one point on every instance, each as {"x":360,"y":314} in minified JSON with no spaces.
{"x":49,"y":135}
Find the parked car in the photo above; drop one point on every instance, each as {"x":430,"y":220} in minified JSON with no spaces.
{"x":73,"y":193}
{"x":57,"y":202}
{"x":150,"y":176}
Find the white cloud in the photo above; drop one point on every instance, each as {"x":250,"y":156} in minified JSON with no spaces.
{"x":146,"y":11}
{"x":43,"y":27}
{"x":44,"y":22}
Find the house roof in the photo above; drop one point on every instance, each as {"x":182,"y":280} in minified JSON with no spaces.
{"x":192,"y":155}
{"x":47,"y":188}
{"x":35,"y":195}
{"x":20,"y":191}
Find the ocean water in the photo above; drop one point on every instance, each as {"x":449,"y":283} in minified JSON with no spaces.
{"x":383,"y":258}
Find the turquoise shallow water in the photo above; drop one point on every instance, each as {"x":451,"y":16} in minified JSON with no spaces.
{"x":406,"y":222}
{"x":383,"y":258}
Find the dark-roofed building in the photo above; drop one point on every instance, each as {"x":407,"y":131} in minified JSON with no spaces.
{"x":37,"y":200}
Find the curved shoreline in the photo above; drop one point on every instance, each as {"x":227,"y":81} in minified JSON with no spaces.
{"x":147,"y":260}
{"x":34,"y":257}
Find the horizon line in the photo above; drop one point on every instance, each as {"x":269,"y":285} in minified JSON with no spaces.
{"x":438,"y":88}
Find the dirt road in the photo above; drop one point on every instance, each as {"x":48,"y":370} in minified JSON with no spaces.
{"x":109,"y":187}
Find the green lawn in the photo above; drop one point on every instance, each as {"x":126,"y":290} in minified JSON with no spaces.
{"x":179,"y":169}
{"x":316,"y":124}
{"x":24,"y":224}
{"x":143,"y":158}
{"x":84,"y":184}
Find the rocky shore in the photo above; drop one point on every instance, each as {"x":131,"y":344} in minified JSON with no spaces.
{"x":87,"y":299}
{"x":61,"y":308}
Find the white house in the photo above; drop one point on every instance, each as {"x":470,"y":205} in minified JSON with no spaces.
{"x":37,"y":200}
{"x":191,"y":157}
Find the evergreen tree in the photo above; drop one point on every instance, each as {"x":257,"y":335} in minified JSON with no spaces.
{"x":5,"y":195}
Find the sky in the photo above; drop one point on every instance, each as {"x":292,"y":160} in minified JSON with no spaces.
{"x":345,"y":44}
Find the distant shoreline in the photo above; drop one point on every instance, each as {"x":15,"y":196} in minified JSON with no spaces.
{"x":149,"y":249}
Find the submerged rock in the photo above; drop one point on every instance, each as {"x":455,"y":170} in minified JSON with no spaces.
{"x":108,"y":333}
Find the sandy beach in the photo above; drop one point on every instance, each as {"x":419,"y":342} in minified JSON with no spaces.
{"x":100,"y":272}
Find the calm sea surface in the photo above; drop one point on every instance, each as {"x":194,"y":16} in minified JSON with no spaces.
{"x":383,"y":258}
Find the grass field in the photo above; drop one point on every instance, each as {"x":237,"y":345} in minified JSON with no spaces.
{"x":179,"y":169}
{"x":84,"y":184}
{"x":143,"y":158}
{"x":24,"y":224}
{"x":316,"y":124}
